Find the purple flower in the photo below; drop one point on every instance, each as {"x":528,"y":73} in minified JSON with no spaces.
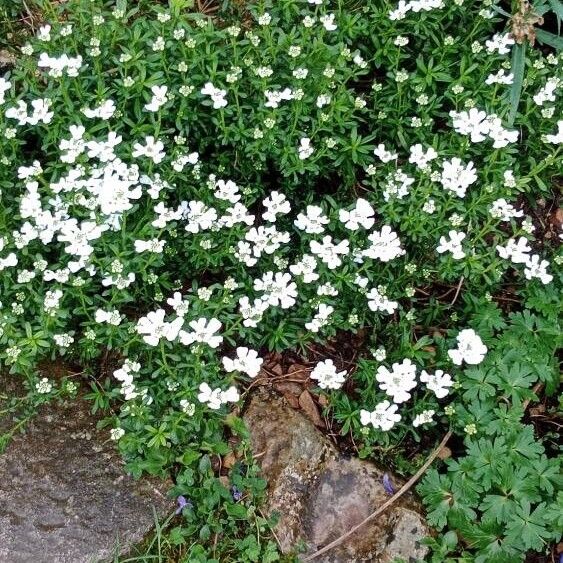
{"x":183,"y":503}
{"x":387,"y":485}
{"x":237,"y":495}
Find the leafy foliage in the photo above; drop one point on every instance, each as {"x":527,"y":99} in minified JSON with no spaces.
{"x":183,"y":188}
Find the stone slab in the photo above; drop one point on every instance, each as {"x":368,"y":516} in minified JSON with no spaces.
{"x":64,"y":495}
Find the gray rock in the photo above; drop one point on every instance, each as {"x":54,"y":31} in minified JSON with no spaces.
{"x":64,"y":496}
{"x":319,"y":495}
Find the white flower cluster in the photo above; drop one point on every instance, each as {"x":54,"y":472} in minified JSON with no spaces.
{"x":478,"y":126}
{"x":403,"y":7}
{"x":215,"y":398}
{"x":518,"y":252}
{"x":400,"y":381}
{"x":247,"y":361}
{"x":58,"y":65}
{"x":328,"y":377}
{"x":470,"y":348}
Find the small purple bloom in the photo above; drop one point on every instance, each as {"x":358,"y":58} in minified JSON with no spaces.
{"x":183,"y":503}
{"x":237,"y":495}
{"x":387,"y":485}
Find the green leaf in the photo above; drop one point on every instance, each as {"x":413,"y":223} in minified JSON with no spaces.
{"x":517,"y":67}
{"x":550,"y":39}
{"x":528,"y":527}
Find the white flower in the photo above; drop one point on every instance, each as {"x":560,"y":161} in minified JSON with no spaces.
{"x":276,"y":204}
{"x":439,"y":383}
{"x":247,"y":361}
{"x":499,"y":134}
{"x":44,"y":33}
{"x":187,"y":407}
{"x":153,"y":245}
{"x":153,"y":327}
{"x":321,"y":317}
{"x":278,"y":289}
{"x":537,"y":268}
{"x":214,"y":398}
{"x":503,"y":210}
{"x":383,"y":154}
{"x":217,"y":95}
{"x":8,"y":261}
{"x":421,"y":158}
{"x":473,"y":123}
{"x":5,"y":85}
{"x":177,"y":303}
{"x":227,"y":191}
{"x":203,"y":330}
{"x":199,"y":216}
{"x":499,"y":43}
{"x":236,"y":214}
{"x":517,"y":251}
{"x":104,"y":111}
{"x":328,"y":252}
{"x":361,"y":215}
{"x":327,"y":376}
{"x":305,"y":148}
{"x":547,"y":93}
{"x":276,"y":96}
{"x":383,"y":417}
{"x":252,"y":314}
{"x":152,"y":149}
{"x":397,"y":185}
{"x":306,"y":268}
{"x":456,"y":176}
{"x":385,"y":245}
{"x":501,"y":77}
{"x":264,"y":19}
{"x":44,"y":386}
{"x":399,"y":381}
{"x":423,"y":418}
{"x":111,"y":317}
{"x":211,"y":397}
{"x":231,"y":395}
{"x":453,"y":245}
{"x":401,"y":11}
{"x":556,"y":138}
{"x":159,"y":98}
{"x":379,"y":302}
{"x":313,"y":221}
{"x":328,"y":22}
{"x":323,"y":100}
{"x":116,"y":434}
{"x":470,"y":348}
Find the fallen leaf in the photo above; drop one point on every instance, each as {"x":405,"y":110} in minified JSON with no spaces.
{"x":299,"y":371}
{"x":229,"y":460}
{"x":445,"y":453}
{"x":276,"y":369}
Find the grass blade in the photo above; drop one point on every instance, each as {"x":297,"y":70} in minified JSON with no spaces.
{"x":517,"y":67}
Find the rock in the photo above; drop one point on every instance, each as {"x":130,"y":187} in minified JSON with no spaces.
{"x":310,"y":408}
{"x":64,"y":495}
{"x":319,"y":495}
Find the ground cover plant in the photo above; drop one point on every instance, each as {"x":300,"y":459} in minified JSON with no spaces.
{"x":185,"y":192}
